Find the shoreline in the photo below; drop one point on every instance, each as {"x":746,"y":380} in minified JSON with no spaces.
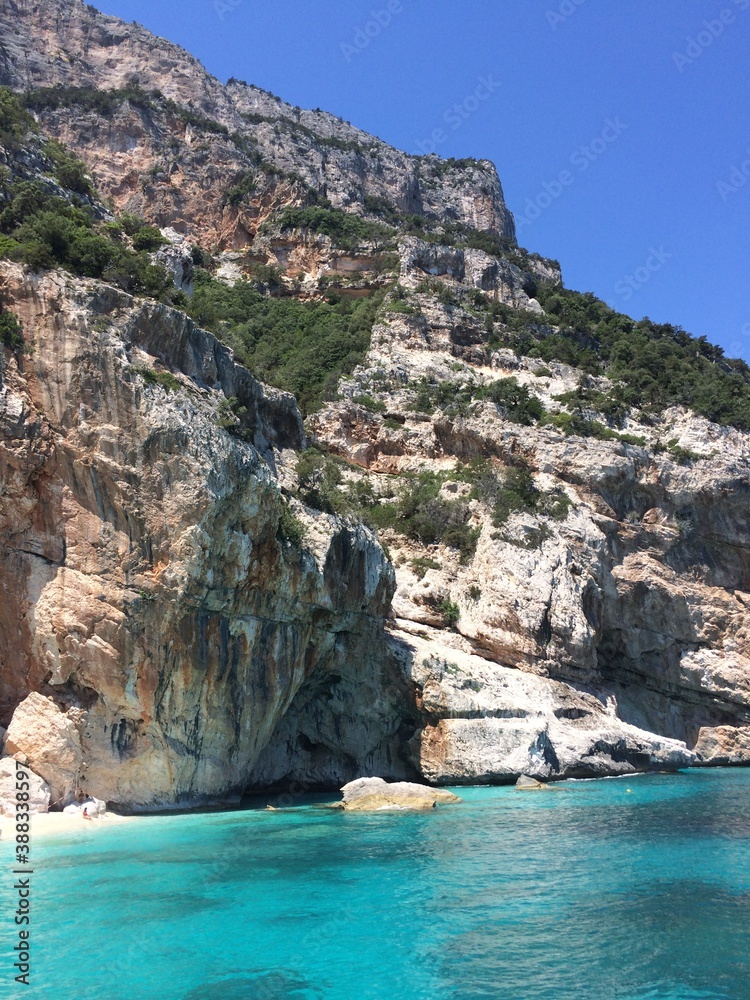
{"x":54,"y":823}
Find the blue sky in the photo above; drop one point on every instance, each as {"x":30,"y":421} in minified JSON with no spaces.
{"x":620,"y":128}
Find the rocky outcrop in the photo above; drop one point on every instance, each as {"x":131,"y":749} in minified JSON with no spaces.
{"x":602,"y":642}
{"x":486,"y":722}
{"x":528,"y":784}
{"x":49,"y":741}
{"x":376,"y":795}
{"x":723,"y":745}
{"x":500,"y":279}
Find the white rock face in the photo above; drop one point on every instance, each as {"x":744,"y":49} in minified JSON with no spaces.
{"x":489,"y":723}
{"x":177,"y":259}
{"x":600,"y":643}
{"x":39,"y":791}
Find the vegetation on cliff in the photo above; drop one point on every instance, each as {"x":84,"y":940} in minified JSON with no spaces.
{"x":653,"y":365}
{"x":53,"y":219}
{"x":302,"y":347}
{"x":347,"y":231}
{"x":50,"y":217}
{"x":11,"y":331}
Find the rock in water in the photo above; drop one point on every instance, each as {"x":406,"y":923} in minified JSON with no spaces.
{"x":375,"y":795}
{"x":526,"y":783}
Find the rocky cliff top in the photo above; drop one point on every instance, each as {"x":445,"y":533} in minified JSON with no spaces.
{"x":66,"y":43}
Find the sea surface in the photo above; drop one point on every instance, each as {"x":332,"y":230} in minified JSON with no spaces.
{"x":617,"y":889}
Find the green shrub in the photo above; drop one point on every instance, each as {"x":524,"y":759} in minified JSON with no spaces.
{"x":347,"y":231}
{"x":44,"y":231}
{"x":517,"y":493}
{"x":533,"y":537}
{"x":653,"y":365}
{"x":266,"y":276}
{"x":69,"y":170}
{"x":164,"y":379}
{"x":319,"y":481}
{"x":515,"y":400}
{"x":421,"y":564}
{"x":556,"y":504}
{"x":608,"y":404}
{"x":369,"y":403}
{"x":303,"y":347}
{"x":9,"y":248}
{"x":131,"y":223}
{"x":201,"y":258}
{"x":513,"y":490}
{"x":452,"y":397}
{"x":683,"y":456}
{"x":450,"y":612}
{"x":462,"y":538}
{"x":148,"y":239}
{"x":580,"y":426}
{"x":474,"y":593}
{"x":392,"y":424}
{"x":230,"y":416}
{"x":403,"y":308}
{"x":239,"y":191}
{"x":375,"y":205}
{"x":107,"y":102}
{"x":423,"y":515}
{"x":11,"y":331}
{"x":15,"y":121}
{"x":290,"y":528}
{"x":104,"y":102}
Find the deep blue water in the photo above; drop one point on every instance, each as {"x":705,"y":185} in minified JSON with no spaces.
{"x":589,"y":893}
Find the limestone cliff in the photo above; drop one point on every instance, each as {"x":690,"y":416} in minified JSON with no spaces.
{"x":576,"y":640}
{"x":182,"y":621}
{"x":149,"y":588}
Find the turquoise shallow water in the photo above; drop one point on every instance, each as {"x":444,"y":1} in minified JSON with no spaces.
{"x":588,"y":893}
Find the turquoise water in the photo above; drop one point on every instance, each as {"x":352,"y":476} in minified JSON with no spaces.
{"x":590,"y":893}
